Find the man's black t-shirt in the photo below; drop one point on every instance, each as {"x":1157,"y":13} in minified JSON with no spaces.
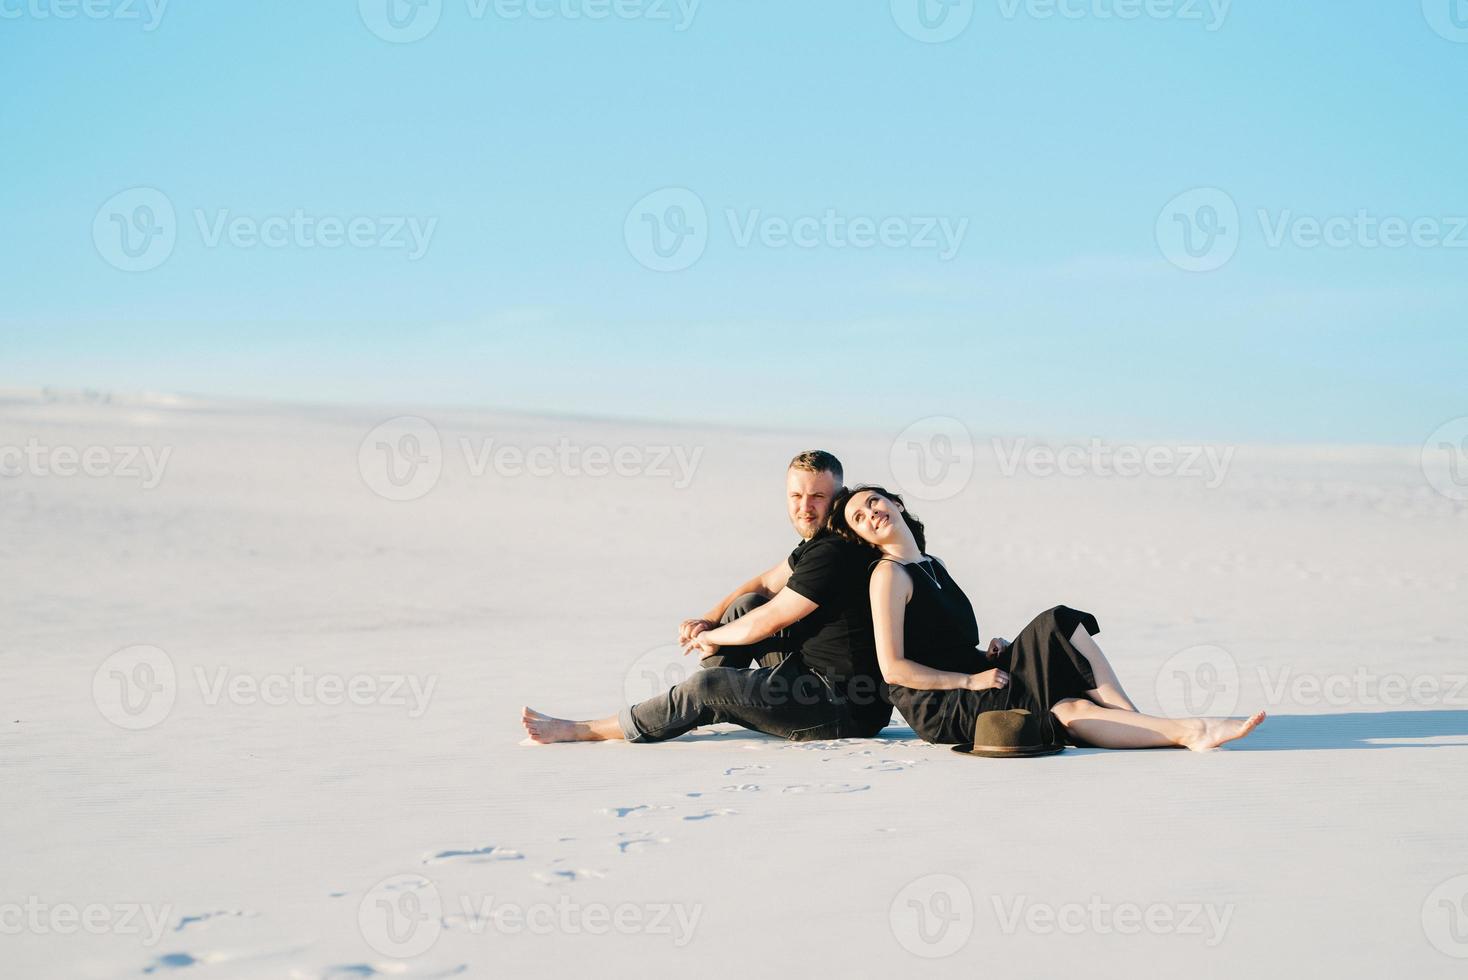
{"x":836,"y":639}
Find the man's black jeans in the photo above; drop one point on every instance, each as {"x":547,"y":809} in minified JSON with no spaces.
{"x":787,"y":701}
{"x":769,"y":651}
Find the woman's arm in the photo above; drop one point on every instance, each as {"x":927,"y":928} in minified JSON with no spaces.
{"x":891,"y":588}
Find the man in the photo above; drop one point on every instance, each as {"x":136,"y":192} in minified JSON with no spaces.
{"x":819,"y":680}
{"x":811,"y":482}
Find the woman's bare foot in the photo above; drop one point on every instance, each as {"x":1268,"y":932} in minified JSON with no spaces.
{"x":544,"y":729}
{"x":1213,"y":732}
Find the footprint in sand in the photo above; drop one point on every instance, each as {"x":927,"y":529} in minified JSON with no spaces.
{"x":478,"y":855}
{"x":756,"y":767}
{"x":171,"y":961}
{"x":202,"y":917}
{"x":741,"y":788}
{"x":710,"y":814}
{"x":563,"y":876}
{"x":636,"y":841}
{"x":890,"y":765}
{"x":344,"y":971}
{"x":827,"y":788}
{"x":641,"y":810}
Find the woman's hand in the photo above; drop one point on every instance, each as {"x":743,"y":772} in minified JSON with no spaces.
{"x":997,"y":646}
{"x":995,"y":679}
{"x":701,"y":642}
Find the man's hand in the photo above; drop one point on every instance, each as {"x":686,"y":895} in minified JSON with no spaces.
{"x":690,"y":628}
{"x":702,"y":644}
{"x":995,"y":678}
{"x":997,"y":646}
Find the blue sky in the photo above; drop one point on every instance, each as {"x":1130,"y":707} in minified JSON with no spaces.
{"x":520,"y":147}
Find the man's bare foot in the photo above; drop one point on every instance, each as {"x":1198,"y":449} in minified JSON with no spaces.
{"x":544,"y":729}
{"x":1213,"y":732}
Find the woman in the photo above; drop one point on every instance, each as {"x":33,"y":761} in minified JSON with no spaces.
{"x":927,"y":646}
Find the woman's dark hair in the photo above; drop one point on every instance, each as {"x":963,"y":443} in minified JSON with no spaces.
{"x":836,"y":522}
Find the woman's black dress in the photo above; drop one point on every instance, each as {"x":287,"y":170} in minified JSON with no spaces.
{"x":939,"y":631}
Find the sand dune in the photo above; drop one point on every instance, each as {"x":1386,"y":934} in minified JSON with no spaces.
{"x":263,"y":664}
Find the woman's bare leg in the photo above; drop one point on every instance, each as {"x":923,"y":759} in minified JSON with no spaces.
{"x":1115,"y":728}
{"x":545,"y":729}
{"x":1108,"y":692}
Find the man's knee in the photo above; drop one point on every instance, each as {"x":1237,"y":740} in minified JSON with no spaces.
{"x":712,"y":684}
{"x":742,"y":606}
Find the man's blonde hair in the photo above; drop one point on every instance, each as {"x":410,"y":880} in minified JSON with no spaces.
{"x":818,"y":461}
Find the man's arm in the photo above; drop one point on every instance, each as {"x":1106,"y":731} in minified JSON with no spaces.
{"x":767,"y":583}
{"x":786,"y":608}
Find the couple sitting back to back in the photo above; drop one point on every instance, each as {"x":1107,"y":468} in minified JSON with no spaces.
{"x":858,"y":618}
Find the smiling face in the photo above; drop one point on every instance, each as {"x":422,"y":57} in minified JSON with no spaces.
{"x":808,"y":499}
{"x":875,"y":519}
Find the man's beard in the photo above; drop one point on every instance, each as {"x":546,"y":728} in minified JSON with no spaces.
{"x":807,"y":528}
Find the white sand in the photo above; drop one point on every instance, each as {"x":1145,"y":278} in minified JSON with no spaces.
{"x":1313,"y":849}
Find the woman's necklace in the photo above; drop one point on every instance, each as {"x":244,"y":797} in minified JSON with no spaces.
{"x":923,"y":564}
